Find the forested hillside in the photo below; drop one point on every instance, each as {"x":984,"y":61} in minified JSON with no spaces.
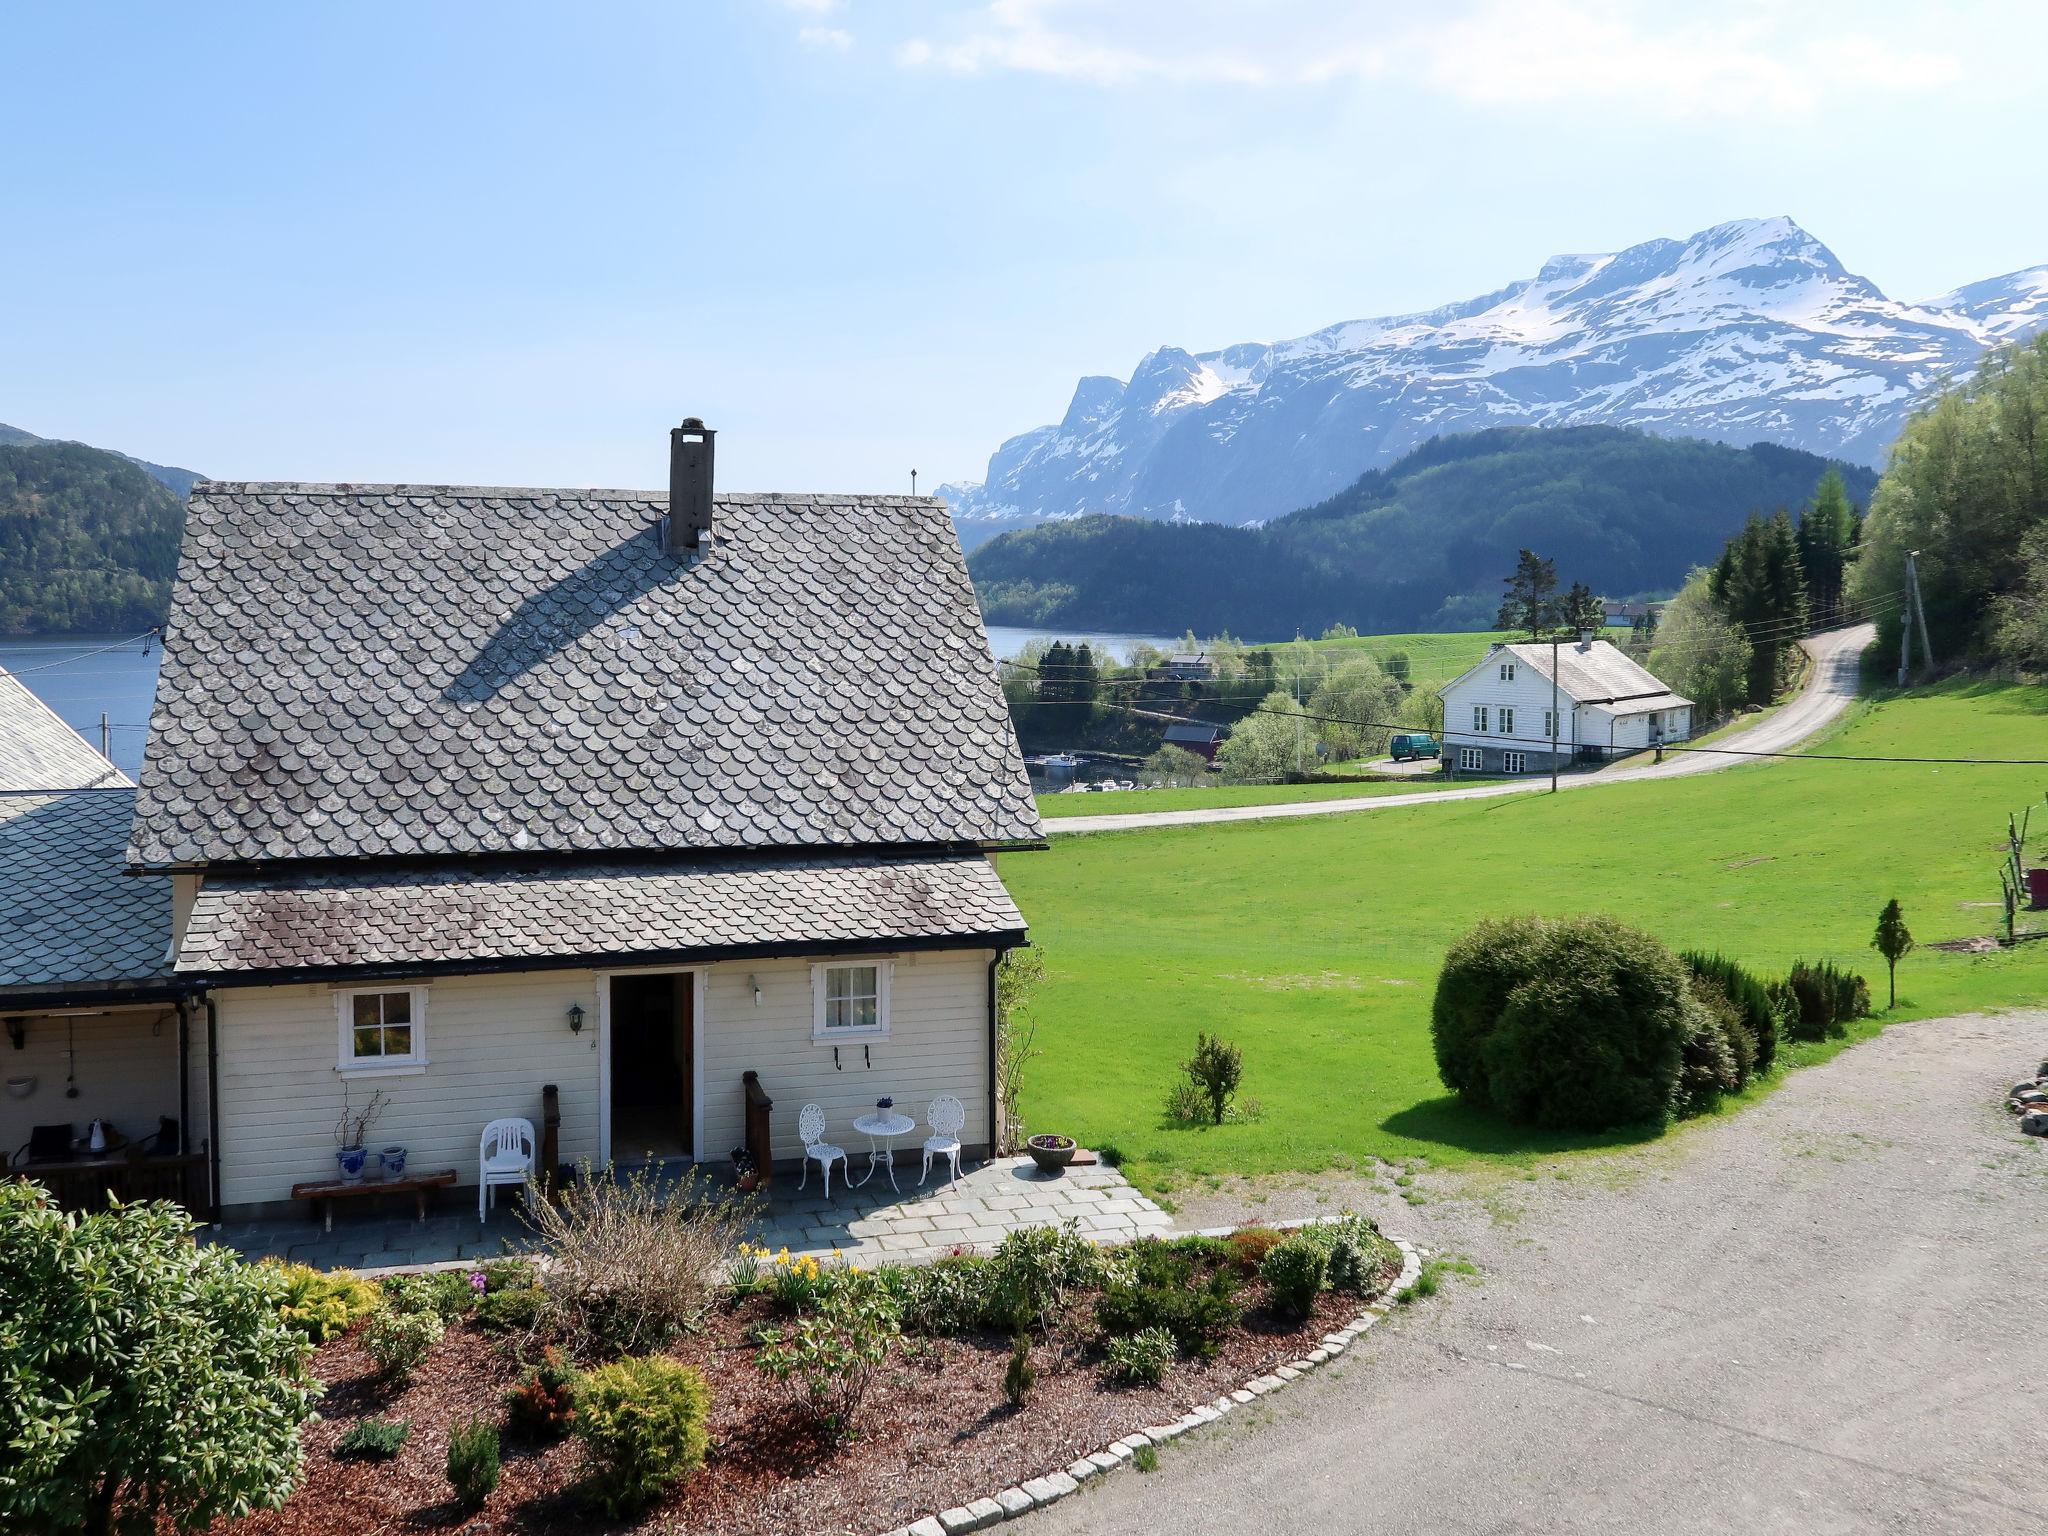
{"x":1418,"y":545}
{"x":88,"y":541}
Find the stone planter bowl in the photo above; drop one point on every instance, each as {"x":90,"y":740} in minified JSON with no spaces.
{"x":1051,"y":1153}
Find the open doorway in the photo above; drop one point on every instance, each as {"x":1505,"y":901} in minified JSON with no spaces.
{"x":653,"y":1066}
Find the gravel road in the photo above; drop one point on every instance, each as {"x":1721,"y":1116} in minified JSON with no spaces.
{"x":1827,"y":693}
{"x":1816,"y":1315}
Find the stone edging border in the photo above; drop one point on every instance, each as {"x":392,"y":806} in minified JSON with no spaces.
{"x":1054,"y":1486}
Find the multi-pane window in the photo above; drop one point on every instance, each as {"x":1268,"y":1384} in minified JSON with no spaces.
{"x":1471,"y":759}
{"x":383,"y":1028}
{"x":1507,"y":721}
{"x":852,"y":999}
{"x":1511,"y":762}
{"x":1549,"y":723}
{"x":1479,"y":717}
{"x":1507,"y":671}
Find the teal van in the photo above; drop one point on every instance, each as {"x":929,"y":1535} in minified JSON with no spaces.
{"x":1413,"y":746}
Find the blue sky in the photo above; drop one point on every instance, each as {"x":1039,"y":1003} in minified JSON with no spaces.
{"x":513,"y":242}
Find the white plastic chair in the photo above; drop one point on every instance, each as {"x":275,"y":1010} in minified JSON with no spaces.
{"x":504,"y":1155}
{"x":810,"y":1125}
{"x":947,"y":1118}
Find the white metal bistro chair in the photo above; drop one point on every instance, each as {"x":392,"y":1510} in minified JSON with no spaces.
{"x":947,"y":1118}
{"x":810,"y":1125}
{"x":504,"y":1155}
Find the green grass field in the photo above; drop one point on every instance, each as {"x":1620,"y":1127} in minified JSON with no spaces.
{"x":1314,"y":943}
{"x":1210,"y":796}
{"x":1433,"y":659}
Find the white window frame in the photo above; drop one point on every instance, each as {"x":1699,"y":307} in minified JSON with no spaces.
{"x":1549,"y":724}
{"x":1480,"y":716}
{"x":1507,"y":720}
{"x":820,"y":1031}
{"x":409,"y":1065}
{"x":1507,"y":671}
{"x":1471,"y":760}
{"x":1513,"y":762}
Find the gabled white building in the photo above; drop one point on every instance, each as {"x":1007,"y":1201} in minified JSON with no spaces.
{"x":1498,"y":716}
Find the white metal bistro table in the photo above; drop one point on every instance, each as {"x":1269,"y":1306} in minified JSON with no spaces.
{"x":881,"y":1130}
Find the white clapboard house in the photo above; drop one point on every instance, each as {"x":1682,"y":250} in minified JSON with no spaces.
{"x":1503,"y":715}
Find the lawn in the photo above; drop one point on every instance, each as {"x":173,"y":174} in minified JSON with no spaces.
{"x":1314,"y":943}
{"x":1209,"y":796}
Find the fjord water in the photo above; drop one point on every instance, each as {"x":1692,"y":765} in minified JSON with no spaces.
{"x":78,"y":685}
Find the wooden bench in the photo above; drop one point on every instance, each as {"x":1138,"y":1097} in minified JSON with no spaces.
{"x":324,"y":1193}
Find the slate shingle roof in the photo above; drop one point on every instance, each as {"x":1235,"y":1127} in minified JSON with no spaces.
{"x":39,"y":751}
{"x":429,"y":670}
{"x":1600,"y":673}
{"x":445,"y":915}
{"x":69,"y":918}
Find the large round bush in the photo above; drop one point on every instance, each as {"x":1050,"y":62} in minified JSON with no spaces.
{"x":1578,"y":1024}
{"x":142,"y":1378}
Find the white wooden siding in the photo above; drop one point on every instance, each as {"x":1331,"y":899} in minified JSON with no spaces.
{"x":492,"y":1041}
{"x":127,"y":1073}
{"x":937,"y":1044}
{"x":1528,"y":696}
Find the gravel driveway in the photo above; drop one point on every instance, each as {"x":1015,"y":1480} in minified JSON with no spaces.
{"x":1814,"y":1315}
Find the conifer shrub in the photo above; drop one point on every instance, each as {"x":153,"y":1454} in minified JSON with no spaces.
{"x":1160,"y":1285}
{"x":473,"y":1463}
{"x":1295,"y":1272}
{"x":373,"y":1439}
{"x":1248,"y":1246}
{"x":1749,"y":996}
{"x":324,"y":1304}
{"x":542,"y":1406}
{"x":1576,"y":1024}
{"x":643,"y":1425}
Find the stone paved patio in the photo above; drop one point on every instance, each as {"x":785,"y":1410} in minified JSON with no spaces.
{"x":871,"y":1222}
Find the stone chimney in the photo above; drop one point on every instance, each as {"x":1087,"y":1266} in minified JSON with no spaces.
{"x":688,"y":523}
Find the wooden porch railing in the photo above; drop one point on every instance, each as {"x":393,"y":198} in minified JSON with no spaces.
{"x":87,"y":1185}
{"x":550,"y":1139}
{"x":758,"y":1107}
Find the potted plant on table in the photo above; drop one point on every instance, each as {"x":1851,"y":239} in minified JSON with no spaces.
{"x":351,"y":1132}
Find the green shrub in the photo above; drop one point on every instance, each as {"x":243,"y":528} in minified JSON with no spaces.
{"x":444,"y":1293}
{"x":1822,"y":999}
{"x":1571,"y":1025}
{"x":832,"y":1354}
{"x":542,"y":1406}
{"x":1139,"y":1359}
{"x":1186,"y":1104}
{"x":473,"y":1463}
{"x":1358,"y":1254}
{"x":515,"y":1310}
{"x":643,"y":1423}
{"x":1020,"y":1375}
{"x":373,"y":1439}
{"x":1161,"y":1286}
{"x":1217,"y":1069}
{"x":324,"y":1304}
{"x":509,"y":1275}
{"x":1295,"y":1272}
{"x":949,"y":1297}
{"x":1750,"y":998}
{"x":1032,"y":1271}
{"x":398,"y":1342}
{"x":140,"y":1370}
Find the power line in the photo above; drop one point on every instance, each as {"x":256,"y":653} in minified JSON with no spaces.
{"x":145,"y":636}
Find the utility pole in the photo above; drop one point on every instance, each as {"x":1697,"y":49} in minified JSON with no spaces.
{"x":1905,"y":642}
{"x":1919,"y":613}
{"x":1553,"y":711}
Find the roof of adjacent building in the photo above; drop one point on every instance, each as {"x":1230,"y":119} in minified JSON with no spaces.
{"x":39,"y":751}
{"x":408,"y":671}
{"x":70,"y":920}
{"x":1193,"y":732}
{"x":710,"y":906}
{"x":1589,"y":672}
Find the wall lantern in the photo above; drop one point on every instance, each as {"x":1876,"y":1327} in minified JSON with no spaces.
{"x":17,"y":1031}
{"x":575,"y":1018}
{"x":755,"y":983}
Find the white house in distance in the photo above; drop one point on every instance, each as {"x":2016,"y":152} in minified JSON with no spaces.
{"x":1498,"y":714}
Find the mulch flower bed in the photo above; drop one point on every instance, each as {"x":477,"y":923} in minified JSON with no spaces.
{"x":936,"y":1431}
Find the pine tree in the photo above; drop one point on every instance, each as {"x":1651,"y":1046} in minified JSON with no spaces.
{"x":1827,"y":534}
{"x":1582,"y":610}
{"x":1531,"y":601}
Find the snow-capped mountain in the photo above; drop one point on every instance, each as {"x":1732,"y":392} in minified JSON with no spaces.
{"x":1750,"y":331}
